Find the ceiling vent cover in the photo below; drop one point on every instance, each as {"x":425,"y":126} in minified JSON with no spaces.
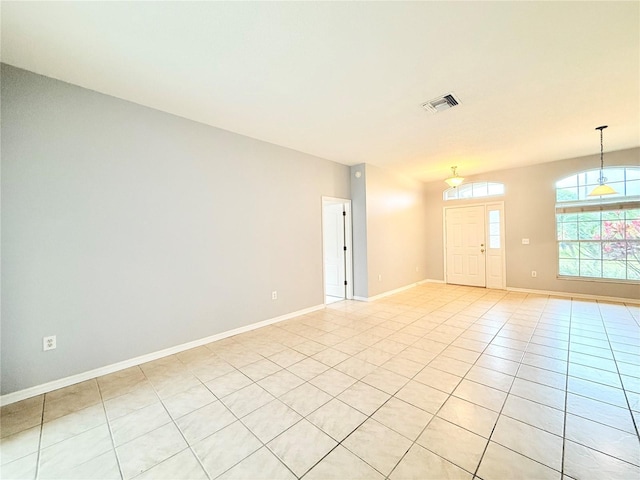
{"x":441,"y":103}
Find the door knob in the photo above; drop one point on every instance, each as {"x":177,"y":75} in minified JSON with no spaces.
{"x":482,"y":250}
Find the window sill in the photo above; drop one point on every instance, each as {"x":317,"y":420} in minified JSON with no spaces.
{"x":598,"y":280}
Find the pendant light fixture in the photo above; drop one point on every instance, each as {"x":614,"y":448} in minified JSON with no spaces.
{"x":602,"y":189}
{"x":454,"y":180}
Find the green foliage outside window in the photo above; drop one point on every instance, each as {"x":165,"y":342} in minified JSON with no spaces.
{"x":600,"y":243}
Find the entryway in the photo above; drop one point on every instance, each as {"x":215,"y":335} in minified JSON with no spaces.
{"x":474,"y":245}
{"x":336,"y":247}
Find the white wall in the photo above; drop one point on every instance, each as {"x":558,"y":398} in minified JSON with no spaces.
{"x":530,"y":213}
{"x":126,"y":230}
{"x":394,"y":212}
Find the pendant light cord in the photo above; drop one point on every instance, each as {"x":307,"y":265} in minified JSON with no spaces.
{"x":601,"y":153}
{"x":602,"y":188}
{"x":602,"y":179}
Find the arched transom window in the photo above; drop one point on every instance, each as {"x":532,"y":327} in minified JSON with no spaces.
{"x":474,"y":190}
{"x":599,"y":237}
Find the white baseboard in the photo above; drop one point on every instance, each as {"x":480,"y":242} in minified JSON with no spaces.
{"x":394,"y":291}
{"x":98,"y":372}
{"x":634,"y":301}
{"x":575,"y":295}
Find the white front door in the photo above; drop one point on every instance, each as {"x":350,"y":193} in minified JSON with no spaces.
{"x":465,"y":245}
{"x":333,"y":228}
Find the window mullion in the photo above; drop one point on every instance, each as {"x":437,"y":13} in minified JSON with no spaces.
{"x":586,"y":226}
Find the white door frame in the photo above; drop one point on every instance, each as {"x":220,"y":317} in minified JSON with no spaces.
{"x":487,"y":206}
{"x":348,"y":241}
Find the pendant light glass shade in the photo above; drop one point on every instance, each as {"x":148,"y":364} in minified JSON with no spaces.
{"x":454,"y":180}
{"x":602,"y":189}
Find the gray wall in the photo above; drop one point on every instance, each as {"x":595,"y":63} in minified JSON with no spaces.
{"x":127,"y":230}
{"x":359,"y":226}
{"x":391,"y":211}
{"x":530,"y":213}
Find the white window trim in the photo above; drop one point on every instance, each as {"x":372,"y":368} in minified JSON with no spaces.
{"x":619,"y":202}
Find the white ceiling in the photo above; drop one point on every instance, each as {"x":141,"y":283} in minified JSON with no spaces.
{"x":345,"y":81}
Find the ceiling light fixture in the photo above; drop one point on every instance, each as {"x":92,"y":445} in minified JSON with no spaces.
{"x":454,"y":180}
{"x":602,"y":189}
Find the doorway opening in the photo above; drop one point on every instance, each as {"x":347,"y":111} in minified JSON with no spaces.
{"x":336,"y":249}
{"x":474,"y":245}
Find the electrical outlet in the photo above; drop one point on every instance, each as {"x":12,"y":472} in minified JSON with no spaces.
{"x":274,"y":295}
{"x":380,"y":277}
{"x":48,"y":343}
{"x":534,"y":274}
{"x":417,"y":268}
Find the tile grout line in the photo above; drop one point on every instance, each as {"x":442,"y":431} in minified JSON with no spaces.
{"x":75,"y":435}
{"x":173,"y":420}
{"x":107,"y":421}
{"x":450,"y":394}
{"x":566,"y":392}
{"x":305,"y":417}
{"x":390,"y":397}
{"x":598,"y":400}
{"x":345,"y":318}
{"x":238,"y":419}
{"x":633,"y":317}
{"x":450,"y":342}
{"x":264,"y":445}
{"x":624,"y":390}
{"x":44,"y":404}
{"x":515,"y":376}
{"x":278,"y":399}
{"x":394,"y":396}
{"x":329,"y":346}
{"x":219,"y":399}
{"x":106,"y":417}
{"x":338,"y":442}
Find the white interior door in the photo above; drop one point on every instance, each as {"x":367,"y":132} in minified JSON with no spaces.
{"x":465,"y":246}
{"x":334,"y":253}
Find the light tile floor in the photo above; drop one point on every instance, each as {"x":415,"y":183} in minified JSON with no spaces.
{"x":436,"y":382}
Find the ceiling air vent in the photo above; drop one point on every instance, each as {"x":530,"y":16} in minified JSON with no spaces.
{"x":441,"y":103}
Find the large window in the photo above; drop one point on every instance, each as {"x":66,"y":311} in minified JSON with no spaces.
{"x":599,"y":237}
